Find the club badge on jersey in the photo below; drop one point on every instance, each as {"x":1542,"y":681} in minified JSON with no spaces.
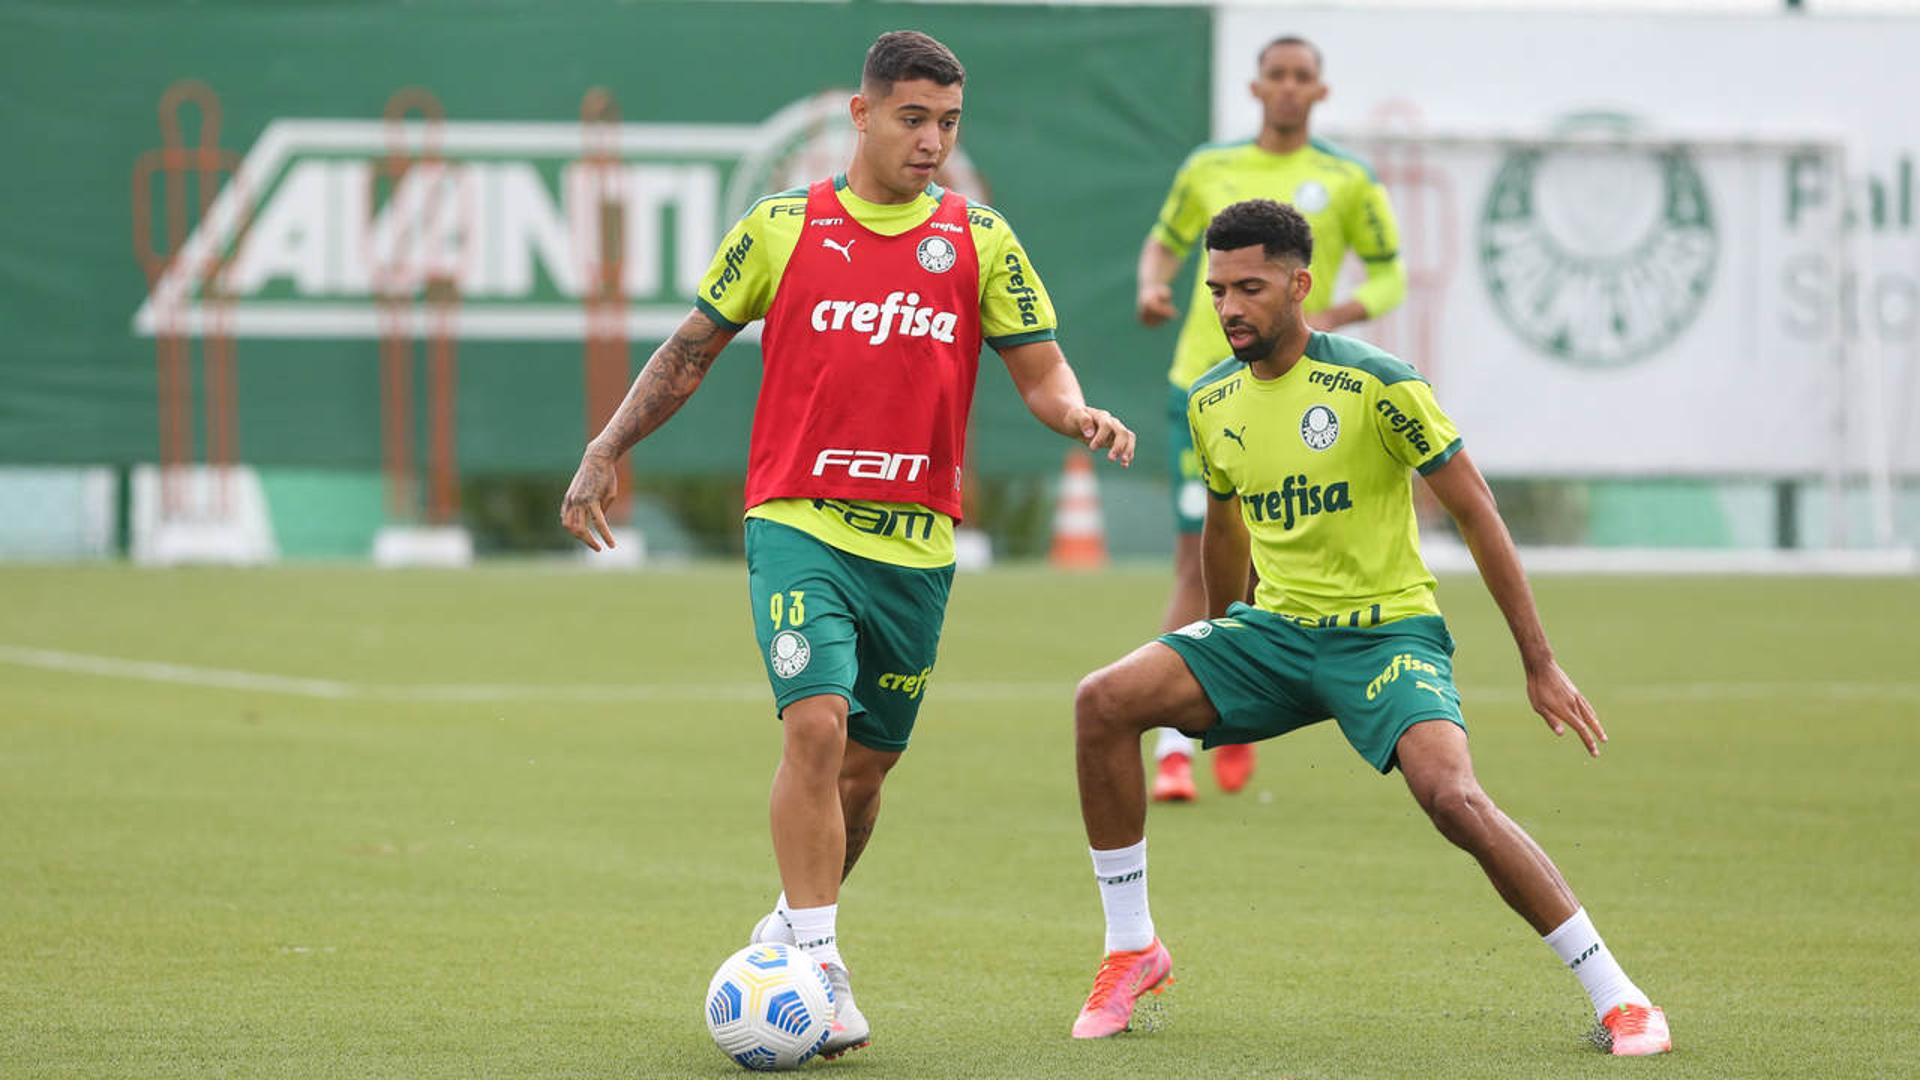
{"x":869,"y":354}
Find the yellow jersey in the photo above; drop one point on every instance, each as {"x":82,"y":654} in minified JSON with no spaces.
{"x":1337,"y":193}
{"x":1321,"y":461}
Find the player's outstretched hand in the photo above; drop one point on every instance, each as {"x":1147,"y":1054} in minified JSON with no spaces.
{"x":1156,"y":304}
{"x":1563,"y":706}
{"x":1103,"y":431}
{"x":584,"y":511}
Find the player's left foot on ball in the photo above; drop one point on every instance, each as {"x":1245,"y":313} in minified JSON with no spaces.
{"x":1122,"y":979}
{"x":850,"y":1029}
{"x":1233,"y":766}
{"x":1634,"y":1031}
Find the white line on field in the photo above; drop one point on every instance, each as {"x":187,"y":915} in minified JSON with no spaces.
{"x":114,"y":667}
{"x":153,"y":671}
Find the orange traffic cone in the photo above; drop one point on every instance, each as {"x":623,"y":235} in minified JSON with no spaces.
{"x":1079,"y":529}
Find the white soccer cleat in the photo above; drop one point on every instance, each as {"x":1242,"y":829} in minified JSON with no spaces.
{"x":850,"y":1029}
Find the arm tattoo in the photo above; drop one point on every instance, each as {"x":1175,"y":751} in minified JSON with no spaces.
{"x":670,"y":377}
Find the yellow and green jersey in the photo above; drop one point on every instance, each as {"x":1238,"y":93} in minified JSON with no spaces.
{"x":739,"y":287}
{"x":1342,"y":200}
{"x":1321,"y":462}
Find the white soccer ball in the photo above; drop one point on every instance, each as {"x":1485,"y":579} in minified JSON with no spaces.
{"x":769,"y":1007}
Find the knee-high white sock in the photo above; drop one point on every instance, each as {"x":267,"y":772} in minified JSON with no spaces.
{"x":813,"y":930}
{"x":1171,"y":742}
{"x":1122,"y":874}
{"x":1578,"y":946}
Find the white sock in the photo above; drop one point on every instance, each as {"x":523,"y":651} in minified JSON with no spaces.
{"x":813,"y":931}
{"x":1122,"y":875}
{"x":780,"y":927}
{"x":1578,"y":946}
{"x":1171,"y":742}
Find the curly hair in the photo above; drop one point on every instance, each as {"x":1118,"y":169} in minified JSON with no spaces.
{"x":1278,"y":228}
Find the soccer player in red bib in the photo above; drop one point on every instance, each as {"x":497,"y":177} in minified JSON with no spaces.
{"x":878,"y":289}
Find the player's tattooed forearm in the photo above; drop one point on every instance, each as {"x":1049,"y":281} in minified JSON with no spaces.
{"x":670,"y":377}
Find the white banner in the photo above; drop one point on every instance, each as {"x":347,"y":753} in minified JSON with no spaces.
{"x":1686,"y":302}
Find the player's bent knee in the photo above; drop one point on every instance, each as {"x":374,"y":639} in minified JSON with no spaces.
{"x":1109,"y":705}
{"x":1097,"y":706}
{"x":1460,"y":811}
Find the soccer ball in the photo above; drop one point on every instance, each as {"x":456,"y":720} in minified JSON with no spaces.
{"x":769,"y":1007}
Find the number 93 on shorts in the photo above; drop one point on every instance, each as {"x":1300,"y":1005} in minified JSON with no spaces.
{"x":831,"y":622}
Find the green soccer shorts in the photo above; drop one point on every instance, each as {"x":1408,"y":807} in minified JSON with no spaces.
{"x":1267,"y":675}
{"x":831,"y":622}
{"x":1183,"y":466}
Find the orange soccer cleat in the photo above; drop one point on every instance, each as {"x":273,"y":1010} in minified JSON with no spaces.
{"x":1233,"y":766}
{"x":1173,"y":782}
{"x":1634,"y":1031}
{"x":1123,"y":978}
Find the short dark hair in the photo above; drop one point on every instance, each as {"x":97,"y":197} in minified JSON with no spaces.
{"x":903,"y":55}
{"x":1278,"y":228}
{"x":1319,"y":60}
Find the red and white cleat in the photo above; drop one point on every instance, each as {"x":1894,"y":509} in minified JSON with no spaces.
{"x":1233,"y":766}
{"x":1634,"y":1031}
{"x":1173,"y":782}
{"x":1122,"y":979}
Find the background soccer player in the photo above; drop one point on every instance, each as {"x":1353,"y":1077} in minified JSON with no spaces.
{"x":878,"y":289}
{"x":1348,"y":209}
{"x":1307,"y":442}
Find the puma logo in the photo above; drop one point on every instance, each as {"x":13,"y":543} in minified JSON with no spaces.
{"x":1422,"y":684}
{"x":845,"y":250}
{"x":1235,"y":435}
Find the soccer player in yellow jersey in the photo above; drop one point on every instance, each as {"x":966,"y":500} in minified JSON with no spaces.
{"x":877,"y":290}
{"x":1348,"y":209}
{"x":1308,"y":442}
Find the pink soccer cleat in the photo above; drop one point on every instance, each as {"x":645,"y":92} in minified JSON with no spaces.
{"x":1233,"y":766}
{"x":1122,"y":979}
{"x":1173,"y":781}
{"x":1634,"y":1031}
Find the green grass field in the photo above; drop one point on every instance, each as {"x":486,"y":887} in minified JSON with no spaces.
{"x":506,"y":823}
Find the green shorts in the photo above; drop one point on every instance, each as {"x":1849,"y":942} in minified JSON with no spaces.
{"x":1189,"y":491}
{"x":830,"y":622}
{"x":1267,"y":675}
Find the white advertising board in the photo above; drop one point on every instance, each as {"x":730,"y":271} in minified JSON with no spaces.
{"x":1734,"y":289}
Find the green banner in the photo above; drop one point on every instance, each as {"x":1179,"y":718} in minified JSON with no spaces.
{"x":1075,"y":120}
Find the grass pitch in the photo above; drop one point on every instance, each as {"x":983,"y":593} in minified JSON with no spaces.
{"x":322,"y":823}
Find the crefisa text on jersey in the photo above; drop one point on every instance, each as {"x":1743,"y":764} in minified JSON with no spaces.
{"x":897,"y":313}
{"x":1297,"y":498}
{"x":1336,"y":380}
